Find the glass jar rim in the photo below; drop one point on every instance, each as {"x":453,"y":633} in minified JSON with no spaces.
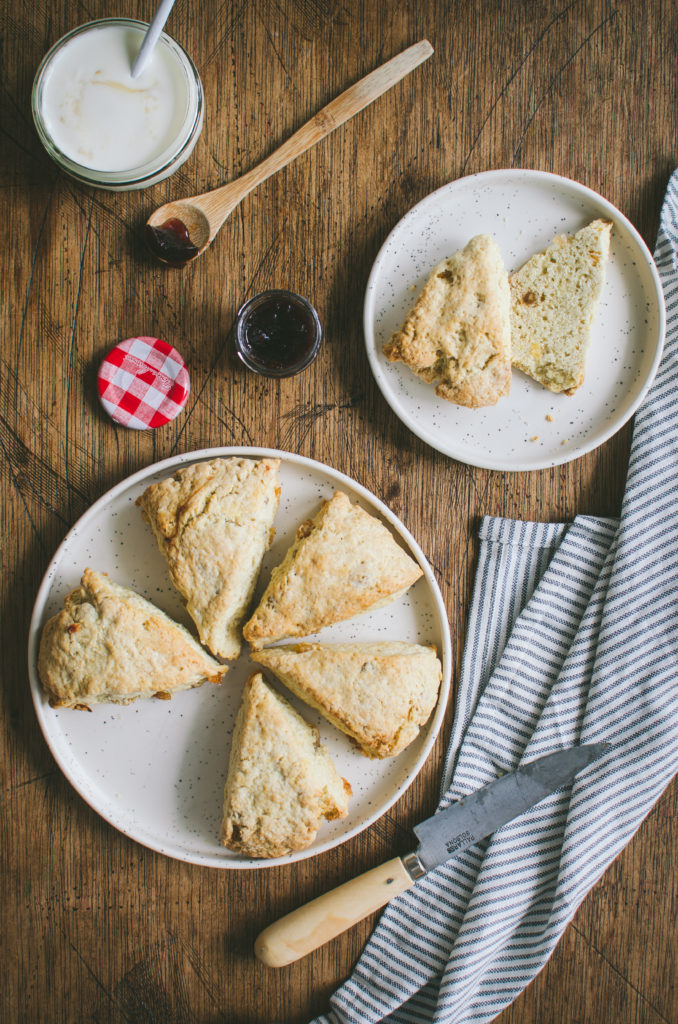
{"x":144,"y":173}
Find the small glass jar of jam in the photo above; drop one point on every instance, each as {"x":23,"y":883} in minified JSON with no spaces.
{"x":277,"y":333}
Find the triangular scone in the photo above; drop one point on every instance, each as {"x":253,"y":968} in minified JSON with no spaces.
{"x":380,"y":694}
{"x":213,"y":521}
{"x":281,"y":782}
{"x":109,"y":644}
{"x":342,"y":563}
{"x":554,"y":299}
{"x":458,"y":332}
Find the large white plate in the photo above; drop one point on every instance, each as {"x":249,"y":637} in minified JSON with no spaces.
{"x":155,"y":769}
{"x":522,"y":210}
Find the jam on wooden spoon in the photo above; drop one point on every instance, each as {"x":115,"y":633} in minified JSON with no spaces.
{"x":203,"y":215}
{"x":171,"y":243}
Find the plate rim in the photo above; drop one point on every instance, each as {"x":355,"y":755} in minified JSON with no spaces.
{"x":435,"y":722}
{"x":516,"y":465}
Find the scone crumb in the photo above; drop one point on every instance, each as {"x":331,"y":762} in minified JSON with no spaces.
{"x":549,"y":417}
{"x":554,"y":300}
{"x":535,"y":438}
{"x":305,"y":529}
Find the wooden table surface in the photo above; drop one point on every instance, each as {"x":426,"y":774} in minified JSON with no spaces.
{"x":96,"y":928}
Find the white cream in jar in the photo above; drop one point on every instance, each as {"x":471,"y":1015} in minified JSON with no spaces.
{"x":102,"y":125}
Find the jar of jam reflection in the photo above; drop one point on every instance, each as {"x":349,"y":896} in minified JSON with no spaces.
{"x":277,"y":333}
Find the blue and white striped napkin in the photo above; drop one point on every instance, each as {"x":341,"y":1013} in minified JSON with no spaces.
{"x":573,"y":637}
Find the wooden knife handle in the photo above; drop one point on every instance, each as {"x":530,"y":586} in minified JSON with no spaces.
{"x":314,"y":924}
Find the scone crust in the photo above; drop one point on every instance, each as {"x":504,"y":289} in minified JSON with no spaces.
{"x":109,"y":644}
{"x":554,"y":299}
{"x":213,"y":521}
{"x":343,"y":563}
{"x":281,"y":782}
{"x":458,"y":332}
{"x":379,"y":694}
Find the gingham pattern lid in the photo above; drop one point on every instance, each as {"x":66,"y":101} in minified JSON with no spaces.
{"x":143,"y":382}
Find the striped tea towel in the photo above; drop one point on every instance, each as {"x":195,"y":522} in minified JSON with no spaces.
{"x":573,"y":637}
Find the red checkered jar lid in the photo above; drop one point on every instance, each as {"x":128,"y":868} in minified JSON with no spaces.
{"x":143,"y":382}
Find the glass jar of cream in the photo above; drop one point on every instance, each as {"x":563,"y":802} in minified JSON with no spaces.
{"x":106,"y":128}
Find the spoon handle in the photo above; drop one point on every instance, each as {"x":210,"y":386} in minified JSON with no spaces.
{"x":221,"y":201}
{"x":152,"y":35}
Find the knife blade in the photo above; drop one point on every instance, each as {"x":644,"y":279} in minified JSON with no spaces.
{"x":441,"y":838}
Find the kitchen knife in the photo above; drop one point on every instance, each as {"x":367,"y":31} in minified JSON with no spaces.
{"x":441,"y":838}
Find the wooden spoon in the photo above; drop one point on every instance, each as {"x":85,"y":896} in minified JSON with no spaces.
{"x":178,"y":232}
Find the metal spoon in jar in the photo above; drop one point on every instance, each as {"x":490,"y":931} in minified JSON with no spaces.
{"x":179,"y":231}
{"x":151,"y":37}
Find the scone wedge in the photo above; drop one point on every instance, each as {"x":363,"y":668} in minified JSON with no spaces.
{"x":109,"y":644}
{"x":343,"y":562}
{"x":281,"y":782}
{"x":213,"y":522}
{"x":379,"y":694}
{"x":554,"y":299}
{"x":457,"y":334}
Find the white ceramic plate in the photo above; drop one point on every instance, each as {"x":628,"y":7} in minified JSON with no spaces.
{"x":156,"y":769}
{"x":522,"y":210}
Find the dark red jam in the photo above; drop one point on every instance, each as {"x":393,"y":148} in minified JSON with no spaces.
{"x":277,"y":333}
{"x":171,"y":242}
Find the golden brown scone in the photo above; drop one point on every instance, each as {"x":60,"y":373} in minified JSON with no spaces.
{"x":213,"y":521}
{"x":281,"y":782}
{"x":109,"y":644}
{"x":342,"y":563}
{"x":554,"y":299}
{"x":458,"y":332}
{"x":380,"y":694}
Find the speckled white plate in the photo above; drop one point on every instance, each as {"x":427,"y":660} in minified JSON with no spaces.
{"x":531,"y":428}
{"x":156,"y":769}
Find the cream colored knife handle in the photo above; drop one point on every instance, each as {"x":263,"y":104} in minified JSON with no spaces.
{"x":302,"y":931}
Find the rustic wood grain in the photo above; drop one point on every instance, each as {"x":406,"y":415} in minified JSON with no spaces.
{"x":94,"y":927}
